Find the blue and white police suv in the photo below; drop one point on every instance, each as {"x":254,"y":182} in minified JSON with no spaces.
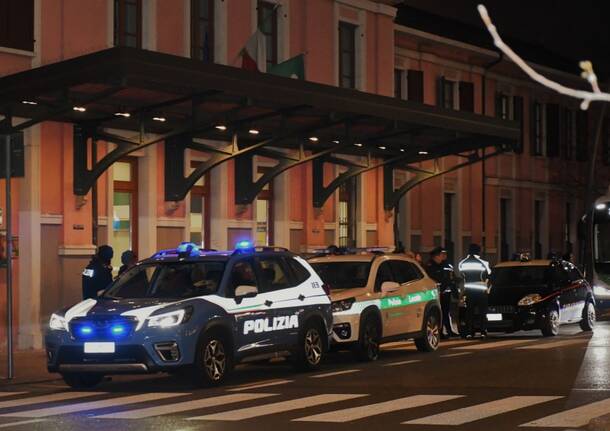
{"x":195,"y":311}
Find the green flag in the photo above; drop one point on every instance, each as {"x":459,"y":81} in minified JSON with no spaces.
{"x":292,"y":68}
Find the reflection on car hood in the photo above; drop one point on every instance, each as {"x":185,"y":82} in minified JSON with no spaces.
{"x":339,"y":294}
{"x":119,"y":306}
{"x":510,"y":295}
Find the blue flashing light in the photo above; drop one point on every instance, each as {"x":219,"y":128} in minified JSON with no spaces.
{"x":188,"y":248}
{"x":117,"y":330}
{"x":86,"y":330}
{"x":245,"y":244}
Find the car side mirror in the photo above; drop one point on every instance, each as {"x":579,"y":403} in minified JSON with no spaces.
{"x":245,"y":291}
{"x":389,"y":287}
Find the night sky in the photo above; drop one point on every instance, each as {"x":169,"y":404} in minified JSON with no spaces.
{"x":575,"y":30}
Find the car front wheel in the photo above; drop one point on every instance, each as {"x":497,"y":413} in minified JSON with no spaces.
{"x":550,"y":324}
{"x":588,"y":317}
{"x":430,"y":339}
{"x":367,"y":347}
{"x":310,"y":348}
{"x":213,"y":359}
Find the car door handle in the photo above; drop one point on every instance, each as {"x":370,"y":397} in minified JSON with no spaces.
{"x":268,"y":303}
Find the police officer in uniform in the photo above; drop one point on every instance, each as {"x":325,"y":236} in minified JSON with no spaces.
{"x":98,"y":273}
{"x":475,"y":272}
{"x":442,"y":272}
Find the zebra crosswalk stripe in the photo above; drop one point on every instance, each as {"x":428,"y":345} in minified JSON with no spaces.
{"x":481,"y":411}
{"x":493,"y":344}
{"x":573,"y":418}
{"x":282,"y":406}
{"x":60,"y":396}
{"x":259,"y":385}
{"x":552,"y":345}
{"x":334,"y":373}
{"x":80,"y":407}
{"x":183,"y":406}
{"x":360,"y":412}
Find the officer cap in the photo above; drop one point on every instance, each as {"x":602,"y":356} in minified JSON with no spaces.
{"x":437,"y":250}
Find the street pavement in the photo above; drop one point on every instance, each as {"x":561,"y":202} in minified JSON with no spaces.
{"x":507,"y":382}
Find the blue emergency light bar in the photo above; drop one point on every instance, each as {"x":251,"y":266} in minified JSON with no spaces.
{"x":244,"y":244}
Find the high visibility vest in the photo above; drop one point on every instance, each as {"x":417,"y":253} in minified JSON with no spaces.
{"x":475,"y":272}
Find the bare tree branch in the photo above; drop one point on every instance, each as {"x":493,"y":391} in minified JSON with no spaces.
{"x":587,"y":69}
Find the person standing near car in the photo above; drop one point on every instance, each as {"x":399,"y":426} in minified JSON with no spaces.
{"x":475,"y":272}
{"x":442,"y":272}
{"x":97,"y":275}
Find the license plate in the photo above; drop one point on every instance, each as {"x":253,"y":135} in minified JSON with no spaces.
{"x":494,"y":317}
{"x":99,"y":347}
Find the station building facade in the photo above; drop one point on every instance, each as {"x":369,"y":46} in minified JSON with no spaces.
{"x":530,"y":199}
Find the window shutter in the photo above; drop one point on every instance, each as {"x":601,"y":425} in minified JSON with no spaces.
{"x":552,"y":129}
{"x":440,"y":91}
{"x":415,"y":85}
{"x":17,"y":24}
{"x":498,"y":105}
{"x":582,"y":136}
{"x":518,"y":111}
{"x":466,"y":96}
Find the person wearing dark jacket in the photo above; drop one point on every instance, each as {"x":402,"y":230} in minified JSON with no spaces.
{"x":128,"y":260}
{"x":442,"y":272}
{"x":98,"y":273}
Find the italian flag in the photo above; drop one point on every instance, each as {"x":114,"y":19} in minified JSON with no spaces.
{"x":254,"y":54}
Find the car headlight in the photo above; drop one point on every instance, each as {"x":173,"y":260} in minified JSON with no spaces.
{"x":58,"y":323}
{"x":530,"y":299}
{"x":169,"y":319}
{"x":343,"y":305}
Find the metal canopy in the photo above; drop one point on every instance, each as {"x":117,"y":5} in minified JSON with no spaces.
{"x":177,"y":100}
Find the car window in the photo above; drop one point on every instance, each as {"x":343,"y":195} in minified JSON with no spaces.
{"x":404,"y":272}
{"x":274,"y":274}
{"x":384,"y":273}
{"x":510,"y":276}
{"x":242,"y":274}
{"x":187,"y":280}
{"x":343,"y":275}
{"x":168,"y":280}
{"x":134,"y":283}
{"x":299,"y":272}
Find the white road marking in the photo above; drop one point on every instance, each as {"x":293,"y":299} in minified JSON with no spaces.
{"x":459,"y":342}
{"x":394,"y":364}
{"x":61,"y":396}
{"x":282,"y":406}
{"x":399,"y":345}
{"x":334,"y":373}
{"x":493,"y":344}
{"x":482,"y":411}
{"x":451,"y":355}
{"x":14,"y":424}
{"x":80,"y":407}
{"x":183,"y":406}
{"x":10,"y":394}
{"x":551,"y":345}
{"x":355,"y":413}
{"x":259,"y":385}
{"x":573,"y":418}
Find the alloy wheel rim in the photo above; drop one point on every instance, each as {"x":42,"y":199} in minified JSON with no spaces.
{"x":432,"y":332}
{"x":313,"y":346}
{"x":370,"y":339}
{"x":591,"y":314}
{"x":554,"y":320}
{"x":215,"y":360}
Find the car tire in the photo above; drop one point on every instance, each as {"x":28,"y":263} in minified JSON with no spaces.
{"x":550,"y":324}
{"x":588,"y":317}
{"x":430,"y":339}
{"x":366,"y":348}
{"x":213,"y":360}
{"x":82,"y":380}
{"x":310,"y":348}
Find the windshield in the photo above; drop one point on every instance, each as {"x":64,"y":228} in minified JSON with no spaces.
{"x":167,"y":281}
{"x":520,"y":276}
{"x":601,"y":242}
{"x":343,"y":275}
